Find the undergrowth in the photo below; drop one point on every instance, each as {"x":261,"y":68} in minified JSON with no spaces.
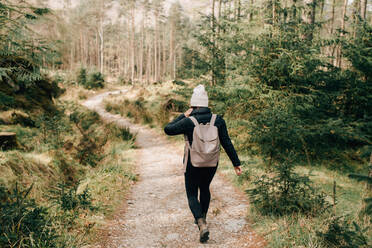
{"x":62,"y":180}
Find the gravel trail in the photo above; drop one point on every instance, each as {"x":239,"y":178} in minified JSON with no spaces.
{"x":156,"y":213}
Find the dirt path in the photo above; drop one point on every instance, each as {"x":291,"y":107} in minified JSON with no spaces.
{"x":157,"y":214}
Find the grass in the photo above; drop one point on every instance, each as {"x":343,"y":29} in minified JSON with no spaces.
{"x":300,"y":230}
{"x":44,"y":163}
{"x":287,"y":231}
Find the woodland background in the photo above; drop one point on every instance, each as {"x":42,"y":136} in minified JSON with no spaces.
{"x":292,"y":79}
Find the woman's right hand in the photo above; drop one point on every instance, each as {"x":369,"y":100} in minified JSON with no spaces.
{"x":188,"y":112}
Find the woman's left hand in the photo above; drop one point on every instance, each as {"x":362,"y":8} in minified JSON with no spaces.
{"x":238,"y":170}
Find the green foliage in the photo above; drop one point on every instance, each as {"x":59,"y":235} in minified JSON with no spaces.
{"x":6,"y":101}
{"x":213,"y":59}
{"x":341,"y":233}
{"x":93,"y":80}
{"x":175,"y":105}
{"x":22,"y":51}
{"x":92,"y":141}
{"x":123,"y":133}
{"x":285,"y":192}
{"x":310,"y":106}
{"x":53,"y":126}
{"x":82,"y":77}
{"x":23,"y":222}
{"x":179,"y":82}
{"x":126,"y":135}
{"x":68,"y":199}
{"x":193,"y":65}
{"x":358,"y":51}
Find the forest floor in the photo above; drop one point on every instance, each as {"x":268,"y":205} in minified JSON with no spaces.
{"x":156,"y":213}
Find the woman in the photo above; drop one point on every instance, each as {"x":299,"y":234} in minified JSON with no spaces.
{"x":199,"y":178}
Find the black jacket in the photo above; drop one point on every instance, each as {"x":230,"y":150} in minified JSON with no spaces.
{"x":183,"y":125}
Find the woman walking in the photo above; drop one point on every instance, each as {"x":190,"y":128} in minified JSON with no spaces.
{"x":199,"y":173}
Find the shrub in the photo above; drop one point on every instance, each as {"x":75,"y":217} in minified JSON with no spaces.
{"x":122,"y":133}
{"x":82,"y":77}
{"x":6,"y":101}
{"x":92,"y":80}
{"x":95,"y":80}
{"x":67,"y":198}
{"x":52,"y":127}
{"x":175,"y":105}
{"x":126,"y":135}
{"x":179,"y":82}
{"x":22,"y":119}
{"x":68,"y":168}
{"x":23,"y":222}
{"x":341,"y":233}
{"x":85,"y":118}
{"x":90,"y":147}
{"x":286,"y":192}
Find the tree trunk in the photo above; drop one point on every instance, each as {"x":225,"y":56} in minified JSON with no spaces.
{"x":164,"y":67}
{"x":251,"y":11}
{"x":273,"y":2}
{"x":294,"y":14}
{"x":333,"y":15}
{"x":239,"y":10}
{"x":356,"y":13}
{"x":219,"y":17}
{"x":156,"y":37}
{"x":339,"y":53}
{"x":363,"y":10}
{"x":133,"y":47}
{"x":309,"y":18}
{"x":213,"y":43}
{"x":322,"y":4}
{"x":370,"y":171}
{"x":171,"y":50}
{"x":142,"y":48}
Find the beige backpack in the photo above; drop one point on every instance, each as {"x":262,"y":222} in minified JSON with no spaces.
{"x":205,"y":148}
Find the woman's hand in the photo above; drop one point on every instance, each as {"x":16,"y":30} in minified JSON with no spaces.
{"x":188,"y":112}
{"x":238,"y":170}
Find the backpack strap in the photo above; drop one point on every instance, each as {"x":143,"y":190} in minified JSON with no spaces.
{"x":213,"y":119}
{"x":196,"y":123}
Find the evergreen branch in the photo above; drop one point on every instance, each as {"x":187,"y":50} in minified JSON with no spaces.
{"x":361,"y":178}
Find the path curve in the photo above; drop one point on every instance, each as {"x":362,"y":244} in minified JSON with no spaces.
{"x":156,"y":213}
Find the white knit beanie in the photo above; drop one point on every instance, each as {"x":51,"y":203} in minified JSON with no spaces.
{"x":199,"y":97}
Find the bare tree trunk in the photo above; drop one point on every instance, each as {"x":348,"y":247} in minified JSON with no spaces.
{"x":133,"y":47}
{"x":171,"y":50}
{"x":333,"y":16}
{"x":339,"y":52}
{"x":219,"y":17}
{"x":273,"y":2}
{"x":142,"y":48}
{"x":164,"y":67}
{"x":148,"y":62}
{"x":156,"y":37}
{"x":309,"y":18}
{"x":322,"y":4}
{"x":213,"y":41}
{"x":294,"y":13}
{"x":251,"y":11}
{"x":175,"y":65}
{"x":239,"y":10}
{"x":356,"y":13}
{"x":363,"y":10}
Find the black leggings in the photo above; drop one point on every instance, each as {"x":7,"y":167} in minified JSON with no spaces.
{"x":199,"y":179}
